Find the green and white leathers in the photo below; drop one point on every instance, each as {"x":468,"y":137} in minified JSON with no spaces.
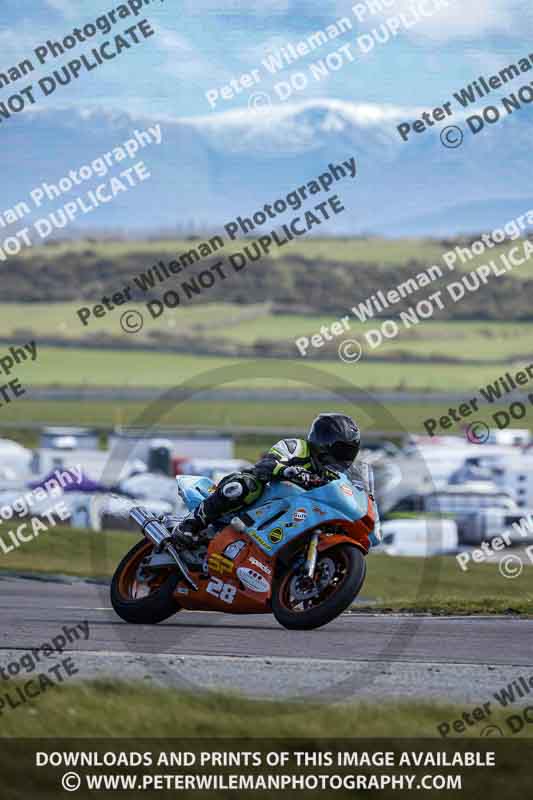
{"x":290,"y":453}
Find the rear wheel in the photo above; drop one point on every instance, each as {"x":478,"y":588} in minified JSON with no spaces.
{"x":140,"y":596}
{"x":301,"y":604}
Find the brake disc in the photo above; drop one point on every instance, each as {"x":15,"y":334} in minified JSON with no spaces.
{"x":325,"y":572}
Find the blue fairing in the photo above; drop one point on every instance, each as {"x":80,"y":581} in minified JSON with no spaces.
{"x":284,"y":511}
{"x":193,"y":489}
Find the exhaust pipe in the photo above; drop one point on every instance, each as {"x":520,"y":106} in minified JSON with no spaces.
{"x":149,"y":525}
{"x":158,"y":534}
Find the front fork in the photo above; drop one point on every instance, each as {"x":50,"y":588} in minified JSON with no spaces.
{"x":312,"y":553}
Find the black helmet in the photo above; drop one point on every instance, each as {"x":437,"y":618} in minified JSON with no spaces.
{"x":334,"y":440}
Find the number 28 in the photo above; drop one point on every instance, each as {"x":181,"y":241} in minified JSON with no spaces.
{"x":224,"y":591}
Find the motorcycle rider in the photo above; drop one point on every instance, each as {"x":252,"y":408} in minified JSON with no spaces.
{"x":332,"y":444}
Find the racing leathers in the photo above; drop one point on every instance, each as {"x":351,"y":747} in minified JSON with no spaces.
{"x":288,"y":458}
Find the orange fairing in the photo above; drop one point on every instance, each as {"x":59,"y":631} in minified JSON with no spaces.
{"x":326,"y":542}
{"x":355,"y":532}
{"x":238,"y":579}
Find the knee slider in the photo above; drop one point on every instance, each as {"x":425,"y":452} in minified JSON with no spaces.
{"x":232,"y":487}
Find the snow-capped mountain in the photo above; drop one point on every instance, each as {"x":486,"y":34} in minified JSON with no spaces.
{"x":209,"y":169}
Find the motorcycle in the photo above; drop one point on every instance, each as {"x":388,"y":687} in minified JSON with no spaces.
{"x":298,"y":553}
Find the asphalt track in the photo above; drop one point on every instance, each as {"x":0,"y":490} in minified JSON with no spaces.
{"x":372,"y":656}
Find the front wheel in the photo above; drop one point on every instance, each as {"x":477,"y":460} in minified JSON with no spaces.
{"x":139,"y":597}
{"x":299,"y":604}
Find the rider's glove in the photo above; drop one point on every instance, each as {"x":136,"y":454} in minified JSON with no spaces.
{"x":300,"y":476}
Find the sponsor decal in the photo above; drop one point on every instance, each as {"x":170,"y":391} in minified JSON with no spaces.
{"x":260,"y":539}
{"x":219,"y":564}
{"x":318,"y":510}
{"x":233,"y":549}
{"x":346,"y":489}
{"x":276,"y":535}
{"x":300,"y":515}
{"x":260,"y":564}
{"x":252,"y":579}
{"x":223,"y":591}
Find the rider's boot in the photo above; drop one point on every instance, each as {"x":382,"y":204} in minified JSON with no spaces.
{"x":183,"y":529}
{"x":188,"y":528}
{"x":229,"y":495}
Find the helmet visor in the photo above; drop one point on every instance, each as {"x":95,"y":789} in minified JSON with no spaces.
{"x":343,"y":453}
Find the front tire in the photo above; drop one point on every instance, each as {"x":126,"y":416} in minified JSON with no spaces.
{"x":347,"y":579}
{"x":128,"y":593}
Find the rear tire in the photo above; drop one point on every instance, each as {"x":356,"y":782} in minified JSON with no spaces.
{"x":157,"y":606}
{"x":333,"y":605}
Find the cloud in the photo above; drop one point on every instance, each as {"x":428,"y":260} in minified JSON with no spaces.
{"x":184,"y":60}
{"x":17,"y":44}
{"x":65,"y":7}
{"x":444,"y":20}
{"x":242,"y":7}
{"x":174,"y":42}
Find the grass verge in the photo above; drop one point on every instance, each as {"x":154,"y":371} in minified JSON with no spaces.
{"x":281,"y":416}
{"x":439,"y":586}
{"x":221,"y":723}
{"x":106,"y":708}
{"x":75,"y":367}
{"x":69,"y":551}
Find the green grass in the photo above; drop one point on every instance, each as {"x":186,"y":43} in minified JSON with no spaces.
{"x":56,"y":366}
{"x":90,"y":716}
{"x":61,"y":319}
{"x":246,"y":325}
{"x":69,"y":551}
{"x":104,"y":709}
{"x":374,"y":250}
{"x":434,"y":584}
{"x":280,"y":417}
{"x":439,"y":585}
{"x":461,"y":340}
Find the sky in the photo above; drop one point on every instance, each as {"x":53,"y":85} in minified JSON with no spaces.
{"x":200,"y":45}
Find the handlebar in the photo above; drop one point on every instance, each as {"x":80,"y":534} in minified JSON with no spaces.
{"x":311,"y":481}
